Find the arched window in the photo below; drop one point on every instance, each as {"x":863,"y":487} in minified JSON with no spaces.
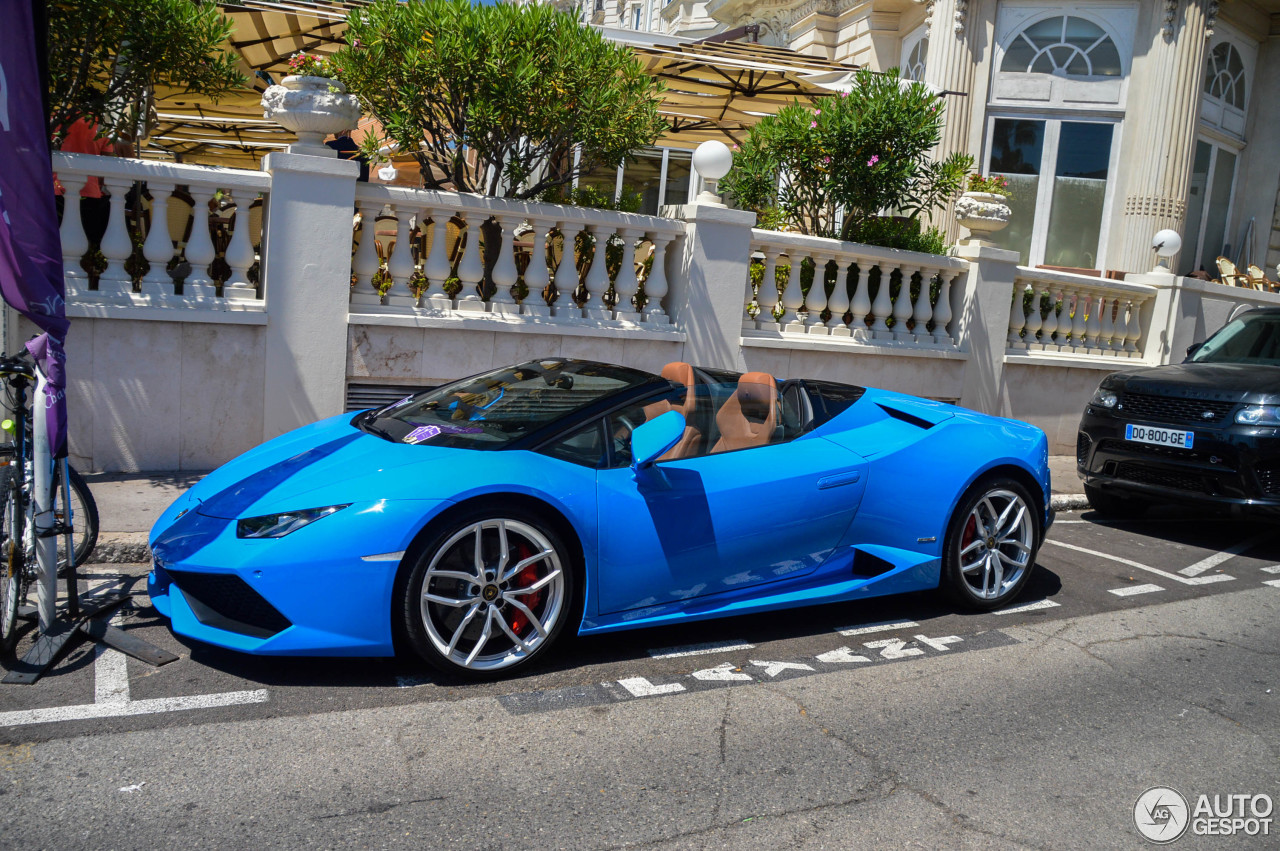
{"x":915,"y":52}
{"x":1066,"y":46}
{"x":1224,"y":77}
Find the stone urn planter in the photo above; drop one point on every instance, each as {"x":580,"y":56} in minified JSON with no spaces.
{"x":312,"y":107}
{"x":983,"y":213}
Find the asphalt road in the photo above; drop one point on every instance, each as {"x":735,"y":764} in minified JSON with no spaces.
{"x":1141,"y":654}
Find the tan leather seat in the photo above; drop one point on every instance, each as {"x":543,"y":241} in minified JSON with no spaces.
{"x":748,"y":417}
{"x":679,"y":373}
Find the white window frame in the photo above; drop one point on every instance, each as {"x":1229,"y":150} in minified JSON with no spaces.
{"x":909,"y":43}
{"x":1215,"y":112}
{"x":1217,"y":141}
{"x":662,"y":176}
{"x":1048,"y":165}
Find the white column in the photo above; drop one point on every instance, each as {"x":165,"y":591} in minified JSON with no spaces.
{"x":767,"y":295}
{"x":656,"y":286}
{"x":1034,"y":321}
{"x":536,"y":276}
{"x":307,"y":237}
{"x":1107,"y":327}
{"x":158,"y":247}
{"x":1093,"y":326}
{"x":923,"y":312}
{"x":706,"y":290}
{"x":597,"y":281}
{"x":1049,"y":326}
{"x":882,"y":308}
{"x":902,"y":308}
{"x":200,"y":251}
{"x":437,"y":266}
{"x":471,"y":267}
{"x":626,"y":285}
{"x":566,"y":279}
{"x":792,"y":297}
{"x":115,"y":282}
{"x":240,"y":254}
{"x":748,"y":321}
{"x":1078,"y":342}
{"x":504,"y":274}
{"x":860,"y":307}
{"x":1017,"y":317}
{"x":1134,"y":330}
{"x":399,"y":298}
{"x":838,"y":303}
{"x":71,"y":233}
{"x":942,"y":311}
{"x":365,"y":263}
{"x":816,"y":301}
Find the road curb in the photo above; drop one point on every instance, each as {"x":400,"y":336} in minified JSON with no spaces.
{"x":1068,"y":502}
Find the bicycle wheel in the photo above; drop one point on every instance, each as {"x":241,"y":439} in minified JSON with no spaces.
{"x":13,"y":579}
{"x":83,"y":519}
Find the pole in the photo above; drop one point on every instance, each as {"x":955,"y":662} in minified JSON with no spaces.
{"x":42,"y":511}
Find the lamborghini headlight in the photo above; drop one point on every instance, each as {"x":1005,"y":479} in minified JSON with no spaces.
{"x":279,"y":525}
{"x":1259,"y":415}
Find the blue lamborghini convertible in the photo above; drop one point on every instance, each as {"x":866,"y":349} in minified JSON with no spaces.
{"x":476,"y":522}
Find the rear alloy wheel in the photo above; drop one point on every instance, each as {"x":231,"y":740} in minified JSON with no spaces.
{"x":1114,"y":506}
{"x":991,"y":544}
{"x":489,"y":595}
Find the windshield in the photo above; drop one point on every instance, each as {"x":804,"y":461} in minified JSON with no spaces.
{"x":1250,"y":339}
{"x":493,"y":410}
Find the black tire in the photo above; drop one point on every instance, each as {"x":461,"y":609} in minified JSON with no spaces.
{"x":1114,"y":506}
{"x":994,"y":532}
{"x":13,"y":582}
{"x":466,"y":626}
{"x":84,"y":519}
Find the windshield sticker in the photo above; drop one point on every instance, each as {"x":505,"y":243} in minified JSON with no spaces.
{"x":426,"y":432}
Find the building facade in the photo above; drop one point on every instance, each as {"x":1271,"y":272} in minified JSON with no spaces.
{"x":1112,"y":119}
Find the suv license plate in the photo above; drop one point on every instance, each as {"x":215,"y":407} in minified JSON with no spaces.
{"x":1160,"y":436}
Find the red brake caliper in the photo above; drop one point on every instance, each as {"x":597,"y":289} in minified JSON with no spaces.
{"x":970,"y":532}
{"x":517,"y":619}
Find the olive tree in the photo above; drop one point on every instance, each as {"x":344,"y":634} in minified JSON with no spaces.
{"x":106,"y":58}
{"x":495,"y":99}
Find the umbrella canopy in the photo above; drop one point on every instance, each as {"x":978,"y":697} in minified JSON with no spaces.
{"x":232,"y":131}
{"x":714,"y":90}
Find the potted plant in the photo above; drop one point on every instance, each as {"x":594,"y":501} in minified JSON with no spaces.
{"x":983,"y":208}
{"x":312,"y":102}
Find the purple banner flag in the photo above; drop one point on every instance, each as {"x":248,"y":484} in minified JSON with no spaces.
{"x":30,"y":248}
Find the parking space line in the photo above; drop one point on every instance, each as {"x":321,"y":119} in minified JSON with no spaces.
{"x":1275,"y":568}
{"x":1131,"y":590}
{"x":1274,"y":583}
{"x":700,"y":649}
{"x":1225,"y":555}
{"x":882,"y":626}
{"x":1027,"y":607}
{"x":1197,"y":580}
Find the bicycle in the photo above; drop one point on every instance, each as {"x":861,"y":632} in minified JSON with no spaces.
{"x":75,"y":512}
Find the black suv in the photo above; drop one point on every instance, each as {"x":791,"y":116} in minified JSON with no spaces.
{"x":1206,"y":430}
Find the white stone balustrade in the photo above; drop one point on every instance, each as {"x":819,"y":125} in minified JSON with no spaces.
{"x":1086,"y":316}
{"x":888,"y":320}
{"x":490,"y":280}
{"x":171,"y":234}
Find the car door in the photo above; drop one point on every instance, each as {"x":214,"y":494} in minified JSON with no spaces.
{"x":725,"y":522}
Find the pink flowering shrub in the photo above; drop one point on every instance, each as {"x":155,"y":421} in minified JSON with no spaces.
{"x":865,"y":152}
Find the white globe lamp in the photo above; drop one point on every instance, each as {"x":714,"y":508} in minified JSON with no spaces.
{"x":712,"y":160}
{"x":1166,"y":244}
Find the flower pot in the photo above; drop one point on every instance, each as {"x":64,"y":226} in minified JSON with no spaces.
{"x":983,"y":213}
{"x":312,"y":107}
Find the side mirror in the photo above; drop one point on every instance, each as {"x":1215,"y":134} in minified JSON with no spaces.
{"x":1193,"y":348}
{"x":650,"y":441}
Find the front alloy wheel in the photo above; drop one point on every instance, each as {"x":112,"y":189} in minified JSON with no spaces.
{"x":490,"y":595}
{"x":991,"y":544}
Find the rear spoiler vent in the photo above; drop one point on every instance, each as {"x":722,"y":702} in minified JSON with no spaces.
{"x":919,"y":422}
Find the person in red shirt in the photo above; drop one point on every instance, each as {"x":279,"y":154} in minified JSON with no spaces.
{"x":82,"y":137}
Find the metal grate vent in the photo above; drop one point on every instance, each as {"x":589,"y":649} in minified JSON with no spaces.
{"x":1178,"y":480}
{"x":361,"y":397}
{"x":1169,"y":409}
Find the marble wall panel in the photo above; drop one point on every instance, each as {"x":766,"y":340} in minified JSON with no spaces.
{"x":448,"y":354}
{"x":385,"y":352}
{"x":516,"y":347}
{"x":222,"y":405}
{"x":136,"y":394}
{"x":1052,"y":398}
{"x":776,"y":362}
{"x":606,"y":349}
{"x":651,"y":355}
